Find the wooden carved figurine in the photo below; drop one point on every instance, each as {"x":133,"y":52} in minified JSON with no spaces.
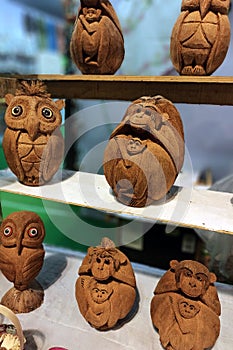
{"x":200,"y":36}
{"x":97,"y":44}
{"x":32,"y":143}
{"x":21,"y":259}
{"x":185,"y":308}
{"x":106,"y":288}
{"x":145,"y":152}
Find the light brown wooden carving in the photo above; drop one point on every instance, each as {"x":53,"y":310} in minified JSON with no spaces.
{"x":200,"y":36}
{"x":106,"y":288}
{"x":185,"y":308}
{"x":32,"y":142}
{"x":21,"y":259}
{"x":145,"y":152}
{"x":97,"y":44}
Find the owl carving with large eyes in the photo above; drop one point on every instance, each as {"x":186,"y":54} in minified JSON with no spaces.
{"x":33,"y":144}
{"x":21,"y":259}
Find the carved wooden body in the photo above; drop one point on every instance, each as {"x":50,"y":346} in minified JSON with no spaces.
{"x":145,"y":152}
{"x":32,"y":143}
{"x":105,"y":290}
{"x":97,"y":44}
{"x":185,"y":308}
{"x":200,"y":37}
{"x":21,"y":258}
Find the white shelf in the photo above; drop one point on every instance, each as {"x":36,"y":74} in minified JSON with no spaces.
{"x":188,"y":207}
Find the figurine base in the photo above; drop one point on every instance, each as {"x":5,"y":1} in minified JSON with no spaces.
{"x":24,"y":301}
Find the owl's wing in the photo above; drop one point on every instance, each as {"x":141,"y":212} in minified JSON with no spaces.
{"x":32,"y":266}
{"x":9,"y":145}
{"x":7,"y":266}
{"x":53,"y":155}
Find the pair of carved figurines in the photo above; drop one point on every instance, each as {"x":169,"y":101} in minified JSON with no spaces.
{"x":185,"y":308}
{"x":199,"y":40}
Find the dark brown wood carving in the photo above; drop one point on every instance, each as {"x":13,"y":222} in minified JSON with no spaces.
{"x":106,"y":288}
{"x":185,"y":308}
{"x":200,"y":36}
{"x":145,"y":152}
{"x":21,"y":259}
{"x":97,"y":44}
{"x":33,"y":144}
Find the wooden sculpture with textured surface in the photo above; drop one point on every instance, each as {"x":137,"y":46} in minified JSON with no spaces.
{"x":97,"y":44}
{"x":200,"y":36}
{"x":21,"y":259}
{"x":106,"y":288}
{"x":185,"y":308}
{"x":145,"y":152}
{"x":32,"y":142}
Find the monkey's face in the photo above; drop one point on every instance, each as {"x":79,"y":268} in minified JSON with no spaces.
{"x":135,"y":146}
{"x":187,"y":309}
{"x":92,"y":15}
{"x":102,"y":268}
{"x":191,"y":284}
{"x":100,"y":293}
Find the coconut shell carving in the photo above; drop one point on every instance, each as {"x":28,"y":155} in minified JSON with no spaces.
{"x":32,"y":142}
{"x":145,"y":152}
{"x":106,"y":288}
{"x":200,"y":37}
{"x":21,"y":259}
{"x":185,"y":308}
{"x":97,"y":43}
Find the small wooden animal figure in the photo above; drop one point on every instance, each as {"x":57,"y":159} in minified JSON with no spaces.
{"x":106,"y":288}
{"x":145,"y":152}
{"x":32,"y":142}
{"x":97,"y":43}
{"x":21,"y":259}
{"x":200,"y":36}
{"x":185,"y":308}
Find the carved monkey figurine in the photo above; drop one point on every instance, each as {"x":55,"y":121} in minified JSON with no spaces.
{"x":105,"y":290}
{"x":97,"y":44}
{"x":145,"y":152}
{"x":200,"y":36}
{"x":32,"y":142}
{"x":185,"y":308}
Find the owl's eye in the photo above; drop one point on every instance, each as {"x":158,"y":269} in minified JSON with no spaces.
{"x":7,"y":231}
{"x":17,"y":111}
{"x":32,"y":232}
{"x":47,"y":113}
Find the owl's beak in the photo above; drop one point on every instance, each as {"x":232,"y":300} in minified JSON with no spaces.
{"x":204,"y":7}
{"x":19,"y":247}
{"x":33,"y":127}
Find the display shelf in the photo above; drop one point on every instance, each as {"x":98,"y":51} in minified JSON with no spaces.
{"x":184,"y":206}
{"x":58,"y":321}
{"x":179,"y":89}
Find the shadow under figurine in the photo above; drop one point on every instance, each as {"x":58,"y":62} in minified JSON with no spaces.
{"x":106,"y":288}
{"x":21,"y":259}
{"x":33,"y":144}
{"x":200,"y":37}
{"x":145,"y":152}
{"x":97,"y":44}
{"x":185,"y":308}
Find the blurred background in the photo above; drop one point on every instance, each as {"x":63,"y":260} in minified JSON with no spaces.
{"x":34,"y":39}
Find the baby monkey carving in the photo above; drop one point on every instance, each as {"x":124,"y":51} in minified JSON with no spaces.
{"x":97,"y":44}
{"x":185,"y":308}
{"x":105,"y":290}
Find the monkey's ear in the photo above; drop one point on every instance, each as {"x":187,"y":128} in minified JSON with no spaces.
{"x":8,"y":98}
{"x":84,"y":11}
{"x":60,"y":104}
{"x":212,"y":277}
{"x":98,"y":12}
{"x":174,"y":264}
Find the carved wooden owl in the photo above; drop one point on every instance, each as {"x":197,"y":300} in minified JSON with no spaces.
{"x":32,"y":143}
{"x":97,"y":43}
{"x":200,"y":36}
{"x":21,"y":253}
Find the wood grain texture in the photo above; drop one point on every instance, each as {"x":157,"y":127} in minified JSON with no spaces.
{"x":179,"y":89}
